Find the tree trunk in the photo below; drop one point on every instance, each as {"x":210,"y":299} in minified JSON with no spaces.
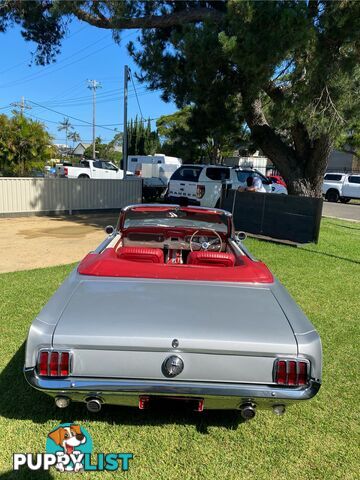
{"x":303,"y":165}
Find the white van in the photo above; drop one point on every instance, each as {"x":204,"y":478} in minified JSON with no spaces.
{"x":155,"y":170}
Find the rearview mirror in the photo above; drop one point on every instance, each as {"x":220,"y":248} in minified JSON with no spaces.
{"x":109,"y":229}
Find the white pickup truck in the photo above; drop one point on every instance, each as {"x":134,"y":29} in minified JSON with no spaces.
{"x":202,"y":184}
{"x":341,"y":186}
{"x":90,"y":169}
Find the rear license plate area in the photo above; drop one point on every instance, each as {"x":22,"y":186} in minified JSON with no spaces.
{"x":173,"y":403}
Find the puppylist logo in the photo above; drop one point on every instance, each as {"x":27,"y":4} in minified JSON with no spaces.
{"x":69,"y":449}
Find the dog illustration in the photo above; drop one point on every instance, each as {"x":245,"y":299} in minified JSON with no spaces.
{"x":68,"y":438}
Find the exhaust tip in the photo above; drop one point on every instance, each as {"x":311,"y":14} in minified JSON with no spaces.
{"x":93,"y":405}
{"x":62,"y":402}
{"x":247,"y":411}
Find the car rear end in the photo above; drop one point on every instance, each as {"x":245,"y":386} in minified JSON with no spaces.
{"x":184,"y":187}
{"x":133,"y":342}
{"x":199,"y":185}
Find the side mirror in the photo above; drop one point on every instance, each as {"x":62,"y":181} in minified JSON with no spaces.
{"x":109,"y":229}
{"x":241,"y":236}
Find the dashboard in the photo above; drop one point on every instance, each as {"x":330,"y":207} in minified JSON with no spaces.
{"x":173,"y":242}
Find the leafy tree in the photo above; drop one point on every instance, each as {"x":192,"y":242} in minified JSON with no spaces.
{"x":142,"y":140}
{"x":25,"y":145}
{"x":288,"y":68}
{"x":65,"y":125}
{"x":106,"y":151}
{"x":349,"y":140}
{"x":187,"y":134}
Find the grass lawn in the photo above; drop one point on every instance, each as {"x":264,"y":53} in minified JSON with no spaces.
{"x":318,"y":439}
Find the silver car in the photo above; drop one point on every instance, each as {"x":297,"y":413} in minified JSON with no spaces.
{"x":171,"y":307}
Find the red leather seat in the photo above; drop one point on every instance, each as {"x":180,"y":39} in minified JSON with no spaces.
{"x":141,"y":254}
{"x":216,"y":259}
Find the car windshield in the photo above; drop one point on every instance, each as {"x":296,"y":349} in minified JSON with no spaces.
{"x":176,"y":218}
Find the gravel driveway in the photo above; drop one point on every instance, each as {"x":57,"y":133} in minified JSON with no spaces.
{"x":35,"y":242}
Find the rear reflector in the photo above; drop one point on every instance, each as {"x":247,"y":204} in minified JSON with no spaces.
{"x":291,"y":372}
{"x":53,"y":363}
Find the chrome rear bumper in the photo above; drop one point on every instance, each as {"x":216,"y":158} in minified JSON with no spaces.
{"x":127,"y":391}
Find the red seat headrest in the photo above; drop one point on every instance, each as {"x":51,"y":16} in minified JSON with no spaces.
{"x":141,"y":254}
{"x":217,"y":259}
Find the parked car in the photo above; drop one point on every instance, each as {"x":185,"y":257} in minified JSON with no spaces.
{"x":202,"y":184}
{"x":277,"y":179}
{"x":172,"y":307}
{"x":341,"y":186}
{"x":91,"y":169}
{"x":155,"y":170}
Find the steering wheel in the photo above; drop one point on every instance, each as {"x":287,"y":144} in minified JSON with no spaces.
{"x":214,"y":245}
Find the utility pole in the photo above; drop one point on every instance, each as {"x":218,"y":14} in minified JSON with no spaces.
{"x":93,"y":85}
{"x":22,"y":105}
{"x":125,"y":138}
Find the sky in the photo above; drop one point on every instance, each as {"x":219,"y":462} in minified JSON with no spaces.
{"x":87,"y":53}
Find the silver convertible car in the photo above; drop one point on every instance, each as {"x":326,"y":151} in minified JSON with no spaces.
{"x":171,"y":307}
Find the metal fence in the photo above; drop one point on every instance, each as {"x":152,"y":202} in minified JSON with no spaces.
{"x":282,"y":217}
{"x":56,"y":195}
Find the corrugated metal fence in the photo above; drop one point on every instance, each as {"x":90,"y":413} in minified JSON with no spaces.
{"x":36,"y":195}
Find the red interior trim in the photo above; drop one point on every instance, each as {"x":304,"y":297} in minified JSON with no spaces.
{"x":107,"y":264}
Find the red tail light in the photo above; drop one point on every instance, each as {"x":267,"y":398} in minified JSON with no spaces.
{"x":200,"y":191}
{"x":43,"y":363}
{"x":64,"y":364}
{"x":53,"y":363}
{"x":138,"y":172}
{"x":66,"y":171}
{"x":291,"y":372}
{"x":280,"y":372}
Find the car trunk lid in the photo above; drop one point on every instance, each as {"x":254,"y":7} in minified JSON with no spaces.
{"x":148,"y":315}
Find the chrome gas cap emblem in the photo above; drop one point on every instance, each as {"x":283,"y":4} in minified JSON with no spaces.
{"x":172,"y":366}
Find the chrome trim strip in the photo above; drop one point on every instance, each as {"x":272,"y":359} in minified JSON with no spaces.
{"x":106,"y":242}
{"x":73,"y":384}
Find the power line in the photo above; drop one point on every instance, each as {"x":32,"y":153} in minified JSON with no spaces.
{"x":137,"y":99}
{"x":41,"y":74}
{"x":85,"y":126}
{"x":66,"y":115}
{"x":22,"y":63}
{"x":45,"y":71}
{"x":76,"y":99}
{"x":102,"y":100}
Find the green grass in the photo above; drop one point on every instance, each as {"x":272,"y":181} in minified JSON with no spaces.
{"x":318,"y":439}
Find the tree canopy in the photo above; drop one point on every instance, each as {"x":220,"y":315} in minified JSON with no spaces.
{"x":141,"y":139}
{"x":25,"y":145}
{"x":187,"y":134}
{"x":289,"y":69}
